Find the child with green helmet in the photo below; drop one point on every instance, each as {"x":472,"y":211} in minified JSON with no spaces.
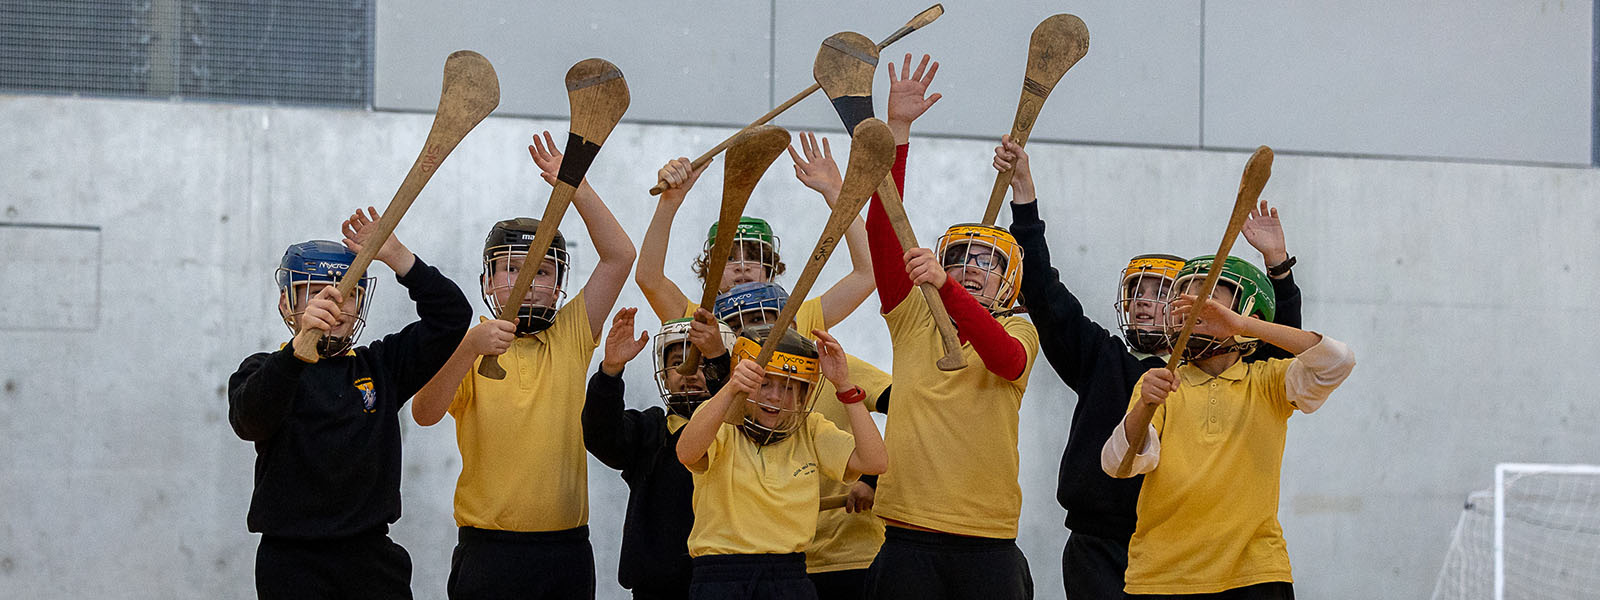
{"x":1219,"y":418}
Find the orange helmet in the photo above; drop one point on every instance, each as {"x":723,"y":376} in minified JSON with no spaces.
{"x":1142,"y":300}
{"x":991,"y":251}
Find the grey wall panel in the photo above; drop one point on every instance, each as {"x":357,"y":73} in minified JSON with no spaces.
{"x":1139,"y":83}
{"x":1465,"y":80}
{"x":702,"y":63}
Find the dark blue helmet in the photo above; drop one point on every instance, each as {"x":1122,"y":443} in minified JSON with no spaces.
{"x":752,"y":303}
{"x":321,"y":262}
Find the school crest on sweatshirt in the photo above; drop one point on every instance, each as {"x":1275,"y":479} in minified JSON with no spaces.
{"x":369,"y":396}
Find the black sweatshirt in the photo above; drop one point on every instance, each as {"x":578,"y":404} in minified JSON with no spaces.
{"x":327,"y":435}
{"x":655,"y":533}
{"x":1100,"y":368}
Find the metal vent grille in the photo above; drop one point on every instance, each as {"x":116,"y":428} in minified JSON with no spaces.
{"x":288,"y":51}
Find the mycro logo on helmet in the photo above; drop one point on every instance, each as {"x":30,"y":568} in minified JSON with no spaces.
{"x":369,"y":396}
{"x":528,"y":236}
{"x":332,"y":266}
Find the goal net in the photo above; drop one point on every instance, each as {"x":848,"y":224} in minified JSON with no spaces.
{"x":1535,"y":534}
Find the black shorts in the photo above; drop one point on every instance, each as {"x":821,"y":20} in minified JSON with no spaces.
{"x":923,"y":565}
{"x":751,"y":577}
{"x":840,"y":585}
{"x":1277,"y":590}
{"x":369,"y":565}
{"x":1093,"y":567}
{"x":487,"y":563}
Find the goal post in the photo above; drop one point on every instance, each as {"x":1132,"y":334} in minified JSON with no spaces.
{"x":1535,"y":534}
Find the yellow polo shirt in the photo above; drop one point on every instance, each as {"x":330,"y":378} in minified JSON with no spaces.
{"x":1208,"y":513}
{"x":523,"y":466}
{"x":846,"y":540}
{"x":763,"y":499}
{"x":953,"y":438}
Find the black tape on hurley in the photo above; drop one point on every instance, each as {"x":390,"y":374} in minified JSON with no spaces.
{"x":853,"y":110}
{"x":576,"y":160}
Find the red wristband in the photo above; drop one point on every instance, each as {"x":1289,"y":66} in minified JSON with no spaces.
{"x":856,"y":394}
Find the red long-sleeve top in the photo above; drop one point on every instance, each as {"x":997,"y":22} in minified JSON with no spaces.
{"x":1002,"y":354}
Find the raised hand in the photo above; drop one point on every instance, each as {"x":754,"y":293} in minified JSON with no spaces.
{"x":361,"y":226}
{"x":490,"y":338}
{"x":546,"y":156}
{"x":908,"y":97}
{"x":706,"y":335}
{"x":1215,"y":320}
{"x":680,"y":176}
{"x":832,"y":358}
{"x":922,"y":267}
{"x":621,"y":346}
{"x":1265,"y":233}
{"x":1009,"y":156}
{"x":817,"y":169}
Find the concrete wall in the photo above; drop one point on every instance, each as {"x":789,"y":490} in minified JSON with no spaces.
{"x":1465,"y":290}
{"x":1440,"y":79}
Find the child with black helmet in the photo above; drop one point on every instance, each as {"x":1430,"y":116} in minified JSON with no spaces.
{"x":1102,"y":370}
{"x":642,"y":444}
{"x":522,"y":501}
{"x":756,"y":488}
{"x":327,"y":435}
{"x":1219,"y":418}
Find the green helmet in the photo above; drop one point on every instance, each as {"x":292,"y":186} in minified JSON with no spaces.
{"x":1252,"y":296}
{"x":750,"y":228}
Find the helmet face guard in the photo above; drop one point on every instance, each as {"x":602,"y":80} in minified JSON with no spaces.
{"x":750,"y":305}
{"x":794,"y":373}
{"x":671,"y":346}
{"x":305,"y":269}
{"x":753,"y":242}
{"x":993,"y":254}
{"x":506,"y":251}
{"x":1252,"y":297}
{"x":1142,"y":301}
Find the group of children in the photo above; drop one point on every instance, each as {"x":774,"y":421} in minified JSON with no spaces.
{"x":727,"y":475}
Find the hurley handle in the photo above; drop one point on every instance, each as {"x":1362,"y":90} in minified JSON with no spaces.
{"x":832,"y":502}
{"x":560,"y":198}
{"x":952,"y":359}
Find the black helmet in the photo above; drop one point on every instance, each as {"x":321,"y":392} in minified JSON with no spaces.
{"x":510,"y":238}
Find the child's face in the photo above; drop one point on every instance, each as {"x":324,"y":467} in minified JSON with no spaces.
{"x":678,"y":384}
{"x":978,"y":268}
{"x":743,"y":267}
{"x":350,"y":309}
{"x":778,"y":396}
{"x":1146,"y":300}
{"x":751,"y":318}
{"x":541,"y":293}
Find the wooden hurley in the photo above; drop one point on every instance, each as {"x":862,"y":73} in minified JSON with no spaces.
{"x":1057,"y":44}
{"x":748,"y":158}
{"x":922,"y":19}
{"x":598,"y":96}
{"x":871,"y":155}
{"x":1256,"y":173}
{"x":832,"y":502}
{"x":471,"y":91}
{"x":844,"y":68}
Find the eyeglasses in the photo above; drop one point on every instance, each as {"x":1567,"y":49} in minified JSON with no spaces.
{"x":982,"y":258}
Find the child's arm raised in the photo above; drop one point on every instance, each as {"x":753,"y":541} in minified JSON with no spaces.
{"x":664,"y":297}
{"x":489,"y":338}
{"x":871,"y":456}
{"x":611,"y":242}
{"x":610,"y":433}
{"x":697,"y":436}
{"x":1320,"y":363}
{"x":818,"y":171}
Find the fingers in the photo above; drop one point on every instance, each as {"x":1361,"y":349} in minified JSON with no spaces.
{"x":797,"y":161}
{"x":931,"y":99}
{"x":920,"y":66}
{"x":702,"y":315}
{"x":826,"y":343}
{"x":331,"y":294}
{"x":624,"y":318}
{"x":826,"y":151}
{"x":550,"y":142}
{"x":931,"y":70}
{"x":892,"y":77}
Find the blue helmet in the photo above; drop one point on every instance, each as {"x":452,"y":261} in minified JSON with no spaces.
{"x":321,"y":262}
{"x":752,"y":303}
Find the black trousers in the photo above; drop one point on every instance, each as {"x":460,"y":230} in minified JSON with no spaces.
{"x":558,"y":565}
{"x":1277,"y":590}
{"x":751,"y":577}
{"x":840,"y":585}
{"x":922,"y":565}
{"x":1093,"y":567}
{"x":648,"y":593}
{"x":369,"y":565}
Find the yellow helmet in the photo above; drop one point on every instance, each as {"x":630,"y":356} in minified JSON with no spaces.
{"x":795,"y":359}
{"x":1144,"y":288}
{"x":998,"y":257}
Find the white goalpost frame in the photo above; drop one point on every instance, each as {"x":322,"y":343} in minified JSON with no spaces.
{"x":1500,"y":470}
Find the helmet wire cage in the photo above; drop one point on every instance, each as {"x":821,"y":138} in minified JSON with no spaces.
{"x":1202,"y":346}
{"x":296,"y":286}
{"x":691,"y":390}
{"x":755,"y":246}
{"x":794,"y":377}
{"x":988,"y":250}
{"x":1143,"y":301}
{"x":531,"y":318}
{"x":740,"y":306}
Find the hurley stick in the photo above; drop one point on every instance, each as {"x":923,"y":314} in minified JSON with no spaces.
{"x":871,"y":155}
{"x":832,"y":502}
{"x":598,"y":96}
{"x":1255,"y":177}
{"x":923,"y":18}
{"x":1057,"y":44}
{"x":471,"y":91}
{"x":748,"y":158}
{"x":844,"y":68}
